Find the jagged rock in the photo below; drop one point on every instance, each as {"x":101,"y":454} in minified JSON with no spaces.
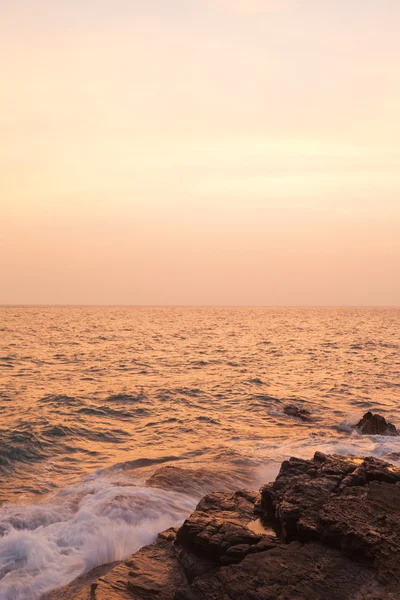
{"x":326,"y":529}
{"x":372,"y":424}
{"x":349,"y":503}
{"x":219,"y":528}
{"x":295,"y":411}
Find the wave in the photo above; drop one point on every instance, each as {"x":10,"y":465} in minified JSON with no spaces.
{"x":346,"y":441}
{"x":256,"y":381}
{"x":58,"y":400}
{"x":127,"y":398}
{"x":103,"y":519}
{"x":99,"y":521}
{"x":106,"y":411}
{"x":20,"y":446}
{"x":32,"y":443}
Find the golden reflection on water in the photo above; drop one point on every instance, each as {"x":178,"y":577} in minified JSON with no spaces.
{"x":83,"y":388}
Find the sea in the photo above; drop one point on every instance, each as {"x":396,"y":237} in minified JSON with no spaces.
{"x":114,"y":421}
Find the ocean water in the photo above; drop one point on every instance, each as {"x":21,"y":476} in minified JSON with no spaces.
{"x":94,"y":401}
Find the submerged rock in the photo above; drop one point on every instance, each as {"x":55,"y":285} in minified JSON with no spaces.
{"x":200,"y":480}
{"x":372,"y":424}
{"x":326,"y":529}
{"x":295,"y":411}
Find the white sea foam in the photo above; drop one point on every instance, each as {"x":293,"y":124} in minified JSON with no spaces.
{"x":379,"y":446}
{"x":48,"y":545}
{"x":348,"y":424}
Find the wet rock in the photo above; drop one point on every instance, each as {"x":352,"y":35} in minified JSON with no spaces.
{"x":299,"y":413}
{"x":326,"y":529}
{"x":153,"y":572}
{"x":197,"y":481}
{"x":372,"y":424}
{"x":348,"y":503}
{"x":82,"y":588}
{"x":219,"y":528}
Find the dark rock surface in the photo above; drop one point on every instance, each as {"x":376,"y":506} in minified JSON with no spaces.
{"x":299,"y":413}
{"x":293,"y":572}
{"x":326,"y":529}
{"x":347,"y":503}
{"x":372,"y":424}
{"x":220,"y":529}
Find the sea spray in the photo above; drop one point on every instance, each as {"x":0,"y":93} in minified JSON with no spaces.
{"x":48,"y":545}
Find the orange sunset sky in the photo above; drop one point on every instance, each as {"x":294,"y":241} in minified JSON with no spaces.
{"x":200,"y":152}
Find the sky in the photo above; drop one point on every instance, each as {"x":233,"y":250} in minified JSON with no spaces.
{"x":200,"y":152}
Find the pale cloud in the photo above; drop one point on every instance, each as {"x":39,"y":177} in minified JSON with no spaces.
{"x":254,"y":7}
{"x":163,"y":155}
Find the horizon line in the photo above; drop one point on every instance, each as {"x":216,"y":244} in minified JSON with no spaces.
{"x":90,"y":305}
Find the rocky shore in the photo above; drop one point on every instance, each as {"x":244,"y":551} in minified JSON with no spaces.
{"x":326,"y":529}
